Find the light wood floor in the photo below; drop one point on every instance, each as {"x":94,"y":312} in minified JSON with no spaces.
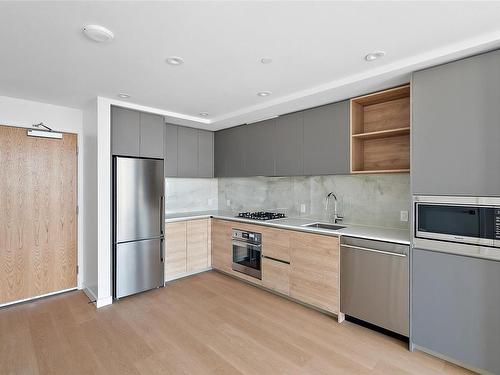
{"x":209,"y":323}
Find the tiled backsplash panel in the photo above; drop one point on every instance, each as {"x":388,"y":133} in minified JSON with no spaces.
{"x":374,"y":199}
{"x":190,"y":194}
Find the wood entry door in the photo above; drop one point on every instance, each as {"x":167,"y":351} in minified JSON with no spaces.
{"x":38,"y":221}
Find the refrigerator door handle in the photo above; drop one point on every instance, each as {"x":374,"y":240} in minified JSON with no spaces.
{"x":162,"y":249}
{"x":162,"y":208}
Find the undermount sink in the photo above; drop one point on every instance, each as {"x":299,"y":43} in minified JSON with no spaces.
{"x":324,"y":226}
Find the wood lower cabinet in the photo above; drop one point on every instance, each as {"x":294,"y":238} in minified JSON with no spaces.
{"x":221,"y":245}
{"x":175,"y":249}
{"x":314,"y":270}
{"x":187,"y":247}
{"x":197,"y":245}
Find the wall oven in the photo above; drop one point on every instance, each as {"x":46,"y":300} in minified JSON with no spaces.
{"x":445,"y":222}
{"x":247,"y":252}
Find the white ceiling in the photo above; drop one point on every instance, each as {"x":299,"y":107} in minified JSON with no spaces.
{"x":317,"y":50}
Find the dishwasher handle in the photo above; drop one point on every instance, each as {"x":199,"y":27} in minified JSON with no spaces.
{"x":373,"y":250}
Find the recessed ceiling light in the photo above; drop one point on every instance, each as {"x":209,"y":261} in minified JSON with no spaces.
{"x":264,"y":93}
{"x":374,"y":55}
{"x":204,"y":114}
{"x":98,"y":33}
{"x":266,"y":60}
{"x":175,"y":60}
{"x":123,"y":95}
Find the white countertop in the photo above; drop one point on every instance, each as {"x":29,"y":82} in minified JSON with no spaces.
{"x":401,"y":236}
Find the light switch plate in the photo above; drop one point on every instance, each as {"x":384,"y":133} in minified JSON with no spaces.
{"x":302,"y":208}
{"x":228,"y":203}
{"x":403,"y":216}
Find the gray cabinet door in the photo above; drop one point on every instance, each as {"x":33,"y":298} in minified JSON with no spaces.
{"x":171,"y":150}
{"x":288,"y":145}
{"x":456,"y":307}
{"x":205,"y":153}
{"x":187,"y":152}
{"x":230,"y":151}
{"x":221,"y":142}
{"x":125,"y":132}
{"x":456,"y":127}
{"x":151,"y":136}
{"x":326,"y":139}
{"x":260,"y":148}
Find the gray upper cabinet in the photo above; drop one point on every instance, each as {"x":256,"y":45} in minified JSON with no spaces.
{"x":151,"y":136}
{"x":171,"y":132}
{"x":125,"y":132}
{"x":135,"y":133}
{"x":205,"y":153}
{"x":311,"y":142}
{"x":456,"y":127}
{"x":187,"y":152}
{"x":326,"y":139}
{"x":288,"y":145}
{"x":260,"y":139}
{"x":230,"y":152}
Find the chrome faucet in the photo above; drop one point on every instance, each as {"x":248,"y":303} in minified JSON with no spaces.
{"x":336,"y":217}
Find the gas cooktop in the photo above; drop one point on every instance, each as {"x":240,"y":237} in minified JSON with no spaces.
{"x":261,"y":215}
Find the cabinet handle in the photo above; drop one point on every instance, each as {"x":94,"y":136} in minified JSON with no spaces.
{"x":373,"y":250}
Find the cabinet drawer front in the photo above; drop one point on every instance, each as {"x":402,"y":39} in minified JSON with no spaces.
{"x":276,"y":244}
{"x":276,"y":275}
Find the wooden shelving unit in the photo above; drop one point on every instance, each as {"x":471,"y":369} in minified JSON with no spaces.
{"x":380,"y":132}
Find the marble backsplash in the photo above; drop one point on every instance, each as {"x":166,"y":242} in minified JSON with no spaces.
{"x":190,"y":194}
{"x":374,"y":199}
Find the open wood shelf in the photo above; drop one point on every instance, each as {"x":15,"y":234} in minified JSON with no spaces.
{"x":380,"y":132}
{"x":383,"y":133}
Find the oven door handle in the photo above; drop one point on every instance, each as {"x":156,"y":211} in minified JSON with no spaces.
{"x":242,"y":243}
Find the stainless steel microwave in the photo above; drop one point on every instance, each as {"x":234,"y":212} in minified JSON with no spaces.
{"x":466,"y":220}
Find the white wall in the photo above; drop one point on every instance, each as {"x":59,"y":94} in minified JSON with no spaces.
{"x":25,"y":113}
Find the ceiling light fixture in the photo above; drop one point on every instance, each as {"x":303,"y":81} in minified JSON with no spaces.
{"x":264,"y":93}
{"x":98,"y":33}
{"x":374,"y":55}
{"x":123,"y":95}
{"x":266,"y":60}
{"x":204,"y":114}
{"x":175,"y":60}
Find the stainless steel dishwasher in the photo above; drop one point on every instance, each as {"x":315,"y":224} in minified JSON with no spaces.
{"x":374,"y":283}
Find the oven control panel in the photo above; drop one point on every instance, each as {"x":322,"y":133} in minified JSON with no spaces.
{"x":497,"y":223}
{"x":247,"y":236}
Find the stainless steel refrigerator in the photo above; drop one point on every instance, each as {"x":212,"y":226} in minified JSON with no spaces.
{"x":138,"y":235}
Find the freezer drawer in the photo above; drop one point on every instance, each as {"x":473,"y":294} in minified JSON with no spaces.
{"x":138,"y":266}
{"x":374,"y":283}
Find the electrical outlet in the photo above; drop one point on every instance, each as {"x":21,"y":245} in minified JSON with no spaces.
{"x":403,"y":216}
{"x":228,"y":203}
{"x":302,"y":208}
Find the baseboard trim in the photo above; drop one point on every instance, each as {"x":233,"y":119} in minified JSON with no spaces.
{"x":101,"y":302}
{"x":90,"y":295}
{"x":30,"y":299}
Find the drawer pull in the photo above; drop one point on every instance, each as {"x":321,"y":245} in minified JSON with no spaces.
{"x":276,"y":260}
